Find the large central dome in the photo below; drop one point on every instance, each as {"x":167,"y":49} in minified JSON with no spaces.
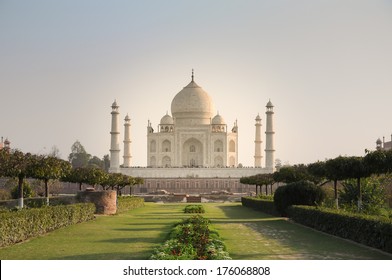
{"x":192,"y":105}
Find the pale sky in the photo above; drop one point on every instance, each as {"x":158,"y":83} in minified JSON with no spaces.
{"x":325,"y":65}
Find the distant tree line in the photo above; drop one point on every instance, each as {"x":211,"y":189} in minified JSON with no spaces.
{"x":81,"y":168}
{"x":338,"y":169}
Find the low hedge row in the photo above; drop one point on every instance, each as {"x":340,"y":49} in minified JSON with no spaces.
{"x":125,"y":203}
{"x":368,"y":230}
{"x":194,"y":209}
{"x":263,"y":205}
{"x":17,"y":226}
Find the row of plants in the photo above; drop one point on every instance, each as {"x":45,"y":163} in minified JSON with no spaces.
{"x":18,"y":226}
{"x":19,"y":165}
{"x":368,"y":230}
{"x":125,"y":203}
{"x":196,"y":208}
{"x":192,"y":239}
{"x":356,"y":169}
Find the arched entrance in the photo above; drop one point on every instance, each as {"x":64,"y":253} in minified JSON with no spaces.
{"x":192,"y":153}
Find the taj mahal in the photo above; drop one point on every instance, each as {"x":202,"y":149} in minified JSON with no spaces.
{"x":193,"y":149}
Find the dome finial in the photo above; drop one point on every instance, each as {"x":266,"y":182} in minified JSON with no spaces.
{"x":193,"y":75}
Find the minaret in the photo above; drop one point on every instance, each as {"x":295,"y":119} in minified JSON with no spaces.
{"x":127,"y":142}
{"x":258,"y":156}
{"x":269,"y":138}
{"x":115,"y":139}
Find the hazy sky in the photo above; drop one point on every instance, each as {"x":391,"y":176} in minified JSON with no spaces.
{"x":325,"y":65}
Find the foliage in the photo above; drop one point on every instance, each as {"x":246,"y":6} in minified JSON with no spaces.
{"x":16,"y":164}
{"x":291,"y":174}
{"x":373,"y":194}
{"x":125,"y":203}
{"x":47,"y":168}
{"x":194,"y":209}
{"x":5,"y":194}
{"x":317,"y":171}
{"x":264,"y":205}
{"x":369,"y":230}
{"x":297,"y":193}
{"x":78,"y":156}
{"x":27,"y":191}
{"x":192,"y":239}
{"x":21,"y":225}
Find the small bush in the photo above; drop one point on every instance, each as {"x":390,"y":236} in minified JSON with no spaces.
{"x":5,"y":194}
{"x":297,"y":193}
{"x":27,"y":191}
{"x":194,"y":209}
{"x":125,"y":203}
{"x":369,"y":230}
{"x":17,"y":226}
{"x":266,"y":206}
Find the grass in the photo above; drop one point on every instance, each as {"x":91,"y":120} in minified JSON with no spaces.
{"x":133,"y":235}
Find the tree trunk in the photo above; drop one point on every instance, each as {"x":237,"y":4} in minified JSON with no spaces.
{"x":359,"y":194}
{"x":80,"y":186}
{"x":335,"y":186}
{"x":266,"y":189}
{"x":271,"y":189}
{"x":256,"y":189}
{"x":47,"y":192}
{"x":20,"y":192}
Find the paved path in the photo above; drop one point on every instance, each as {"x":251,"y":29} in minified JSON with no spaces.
{"x":250,"y":234}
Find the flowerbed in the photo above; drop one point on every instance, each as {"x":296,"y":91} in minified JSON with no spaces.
{"x":192,"y":239}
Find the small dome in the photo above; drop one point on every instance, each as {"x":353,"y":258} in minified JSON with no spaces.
{"x":167,"y":119}
{"x":127,"y":118}
{"x":114,"y":104}
{"x":218,"y":119}
{"x":258,"y":117}
{"x":269,"y":104}
{"x":378,"y":141}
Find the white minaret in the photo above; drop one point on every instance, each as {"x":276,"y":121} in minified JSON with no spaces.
{"x":127,"y":142}
{"x":269,"y":138}
{"x":115,"y":139}
{"x":258,"y":156}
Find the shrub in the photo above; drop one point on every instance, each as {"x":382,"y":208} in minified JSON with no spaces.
{"x":27,"y":191}
{"x":266,"y":206}
{"x":5,"y":194}
{"x":369,"y":230}
{"x":17,"y":226}
{"x":297,"y":193}
{"x":125,"y":203}
{"x":192,"y":239}
{"x":194,"y":209}
{"x":373,"y":194}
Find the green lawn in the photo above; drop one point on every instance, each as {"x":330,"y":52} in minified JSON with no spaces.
{"x":133,"y":235}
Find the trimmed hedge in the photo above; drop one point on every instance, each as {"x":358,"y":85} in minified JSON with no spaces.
{"x":263,"y":205}
{"x":125,"y":203}
{"x":194,"y":209}
{"x":297,"y":193}
{"x":17,"y":226}
{"x":368,"y":230}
